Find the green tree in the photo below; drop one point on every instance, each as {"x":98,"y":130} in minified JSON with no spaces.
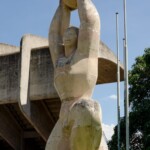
{"x":139,"y":96}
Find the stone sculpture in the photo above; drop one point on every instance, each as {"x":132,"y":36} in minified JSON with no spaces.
{"x":74,"y":54}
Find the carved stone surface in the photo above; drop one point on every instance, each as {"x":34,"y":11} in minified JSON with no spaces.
{"x":74,"y":55}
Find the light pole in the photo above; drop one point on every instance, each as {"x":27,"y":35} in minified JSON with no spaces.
{"x":126,"y":79}
{"x":118,"y":80}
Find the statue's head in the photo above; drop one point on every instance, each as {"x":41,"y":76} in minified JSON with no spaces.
{"x":70,"y":37}
{"x":72,"y":4}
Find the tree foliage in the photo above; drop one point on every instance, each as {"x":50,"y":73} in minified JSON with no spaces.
{"x":139,"y":97}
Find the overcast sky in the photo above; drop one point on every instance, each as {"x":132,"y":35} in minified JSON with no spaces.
{"x":19,"y":17}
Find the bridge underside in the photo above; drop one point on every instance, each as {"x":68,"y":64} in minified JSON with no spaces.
{"x":26,"y":126}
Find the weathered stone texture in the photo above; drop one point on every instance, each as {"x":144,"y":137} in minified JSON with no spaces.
{"x":41,"y":76}
{"x":9,"y":78}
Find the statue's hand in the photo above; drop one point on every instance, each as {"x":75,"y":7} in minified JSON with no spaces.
{"x":72,"y":4}
{"x":64,"y":5}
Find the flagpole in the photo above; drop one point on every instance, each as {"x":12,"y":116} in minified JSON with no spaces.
{"x":126,"y":79}
{"x":118,"y":80}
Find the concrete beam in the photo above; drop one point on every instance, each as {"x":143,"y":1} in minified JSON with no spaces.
{"x":6,"y":49}
{"x":30,"y":134}
{"x":9,"y":129}
{"x":34,"y":112}
{"x":9,"y":70}
{"x":107,"y":66}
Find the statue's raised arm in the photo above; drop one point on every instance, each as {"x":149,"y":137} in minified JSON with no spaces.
{"x":75,"y":75}
{"x":89,"y":34}
{"x":58,"y":25}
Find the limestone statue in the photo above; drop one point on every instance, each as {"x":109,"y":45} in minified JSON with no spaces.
{"x":74,"y":54}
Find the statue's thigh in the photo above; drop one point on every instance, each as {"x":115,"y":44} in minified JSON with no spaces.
{"x":56,"y":140}
{"x":86,"y":132}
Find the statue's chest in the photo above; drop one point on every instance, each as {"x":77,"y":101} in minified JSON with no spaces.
{"x":71,"y":69}
{"x":74,"y":79}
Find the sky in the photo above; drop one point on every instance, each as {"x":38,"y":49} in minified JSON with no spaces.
{"x":20,"y":17}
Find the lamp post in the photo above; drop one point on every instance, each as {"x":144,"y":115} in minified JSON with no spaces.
{"x":126,"y":79}
{"x":118,"y":80}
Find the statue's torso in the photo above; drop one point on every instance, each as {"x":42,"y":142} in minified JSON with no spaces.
{"x":76,"y":78}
